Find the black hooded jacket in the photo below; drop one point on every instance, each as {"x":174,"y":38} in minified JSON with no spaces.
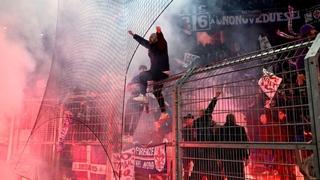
{"x":158,"y":52}
{"x":232,"y":132}
{"x":204,"y":124}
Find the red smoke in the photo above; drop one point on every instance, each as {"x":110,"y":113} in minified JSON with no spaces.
{"x":15,"y":65}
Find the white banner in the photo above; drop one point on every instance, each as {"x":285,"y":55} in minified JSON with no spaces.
{"x":269,"y":83}
{"x":125,"y":163}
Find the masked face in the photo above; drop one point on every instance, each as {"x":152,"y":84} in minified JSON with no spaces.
{"x":153,"y":38}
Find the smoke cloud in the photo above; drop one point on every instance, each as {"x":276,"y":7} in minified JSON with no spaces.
{"x":26,"y":44}
{"x":16,"y":63}
{"x":27,"y":32}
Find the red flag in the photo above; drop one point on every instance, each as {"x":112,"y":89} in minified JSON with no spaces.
{"x":89,"y":162}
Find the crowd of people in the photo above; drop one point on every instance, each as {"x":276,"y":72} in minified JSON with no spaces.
{"x":285,"y":119}
{"x":209,"y":162}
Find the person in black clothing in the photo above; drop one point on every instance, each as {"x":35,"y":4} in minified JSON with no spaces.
{"x":188,"y":153}
{"x":205,"y":129}
{"x":187,"y":130}
{"x":232,"y":158}
{"x":204,"y":125}
{"x":159,"y":70}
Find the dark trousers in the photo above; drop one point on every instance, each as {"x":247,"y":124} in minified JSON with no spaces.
{"x":205,"y":165}
{"x":234,"y":170}
{"x":157,"y":87}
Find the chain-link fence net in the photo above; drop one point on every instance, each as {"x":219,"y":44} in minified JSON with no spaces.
{"x":92,"y":53}
{"x":243,"y":117}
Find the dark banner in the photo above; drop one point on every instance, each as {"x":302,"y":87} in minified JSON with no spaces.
{"x":150,"y":160}
{"x":202,"y":20}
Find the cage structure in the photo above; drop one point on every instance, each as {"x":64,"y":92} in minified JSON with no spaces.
{"x":91,"y":57}
{"x":83,"y":63}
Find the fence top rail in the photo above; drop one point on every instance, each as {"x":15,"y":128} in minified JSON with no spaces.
{"x":260,"y":54}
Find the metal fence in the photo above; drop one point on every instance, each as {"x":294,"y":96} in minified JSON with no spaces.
{"x":262,"y":125}
{"x":250,"y":117}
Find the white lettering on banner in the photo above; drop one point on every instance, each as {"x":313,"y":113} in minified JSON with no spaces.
{"x":144,"y":151}
{"x":148,"y":165}
{"x":98,"y":169}
{"x":251,"y":20}
{"x":154,"y":162}
{"x":124,"y":164}
{"x":85,"y":167}
{"x":138,"y":163}
{"x":202,"y":20}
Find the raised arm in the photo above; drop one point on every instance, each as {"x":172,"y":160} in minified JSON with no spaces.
{"x":145,"y":43}
{"x":162,"y":43}
{"x":212,"y":104}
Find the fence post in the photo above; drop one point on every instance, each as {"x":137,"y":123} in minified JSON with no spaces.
{"x":177,"y":171}
{"x":312,"y":79}
{"x":177,"y":164}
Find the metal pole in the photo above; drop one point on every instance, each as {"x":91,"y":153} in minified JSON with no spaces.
{"x":11,"y":137}
{"x":312,"y":79}
{"x":177,"y":164}
{"x":177,"y":167}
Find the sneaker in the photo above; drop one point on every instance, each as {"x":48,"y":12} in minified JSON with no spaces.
{"x":141,"y":98}
{"x":127,"y":139}
{"x":165,"y":140}
{"x":163,"y":117}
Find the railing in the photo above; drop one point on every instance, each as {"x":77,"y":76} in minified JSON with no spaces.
{"x":271,"y":102}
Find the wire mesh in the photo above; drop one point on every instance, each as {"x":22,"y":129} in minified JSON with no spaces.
{"x":252,"y":128}
{"x":92,"y":53}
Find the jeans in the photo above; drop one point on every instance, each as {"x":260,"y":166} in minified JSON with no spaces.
{"x":156,"y":76}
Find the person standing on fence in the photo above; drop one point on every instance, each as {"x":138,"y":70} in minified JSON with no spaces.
{"x":159,"y":70}
{"x":233,"y":158}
